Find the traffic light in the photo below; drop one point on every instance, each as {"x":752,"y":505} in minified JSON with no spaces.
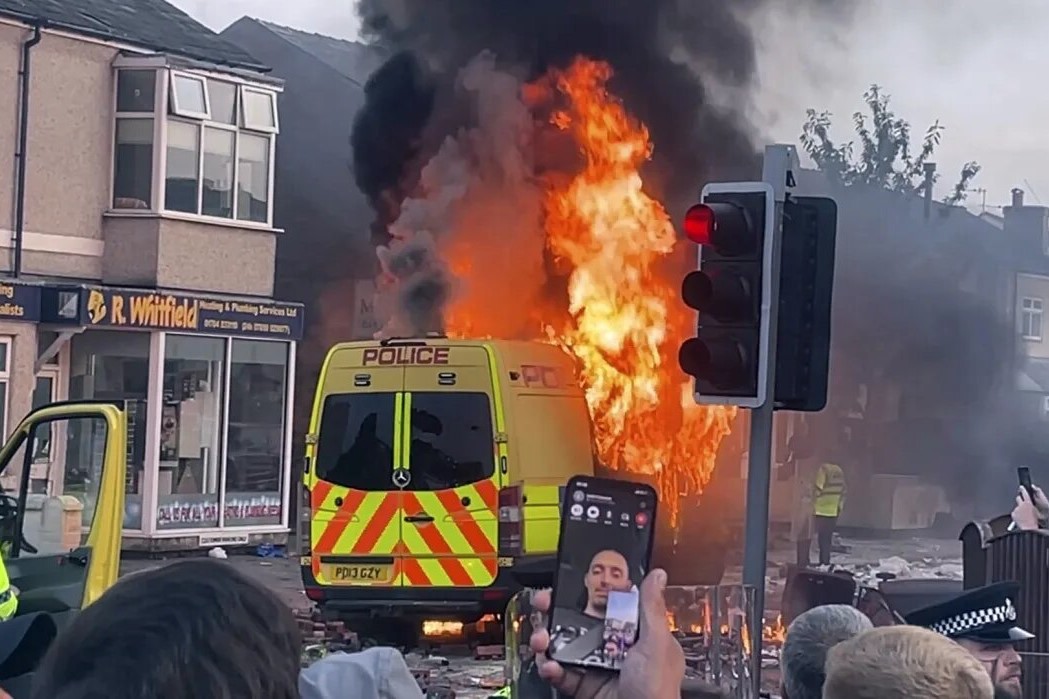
{"x":734,"y":227}
{"x":803,"y":325}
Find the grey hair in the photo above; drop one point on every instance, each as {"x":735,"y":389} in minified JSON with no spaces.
{"x":809,"y":637}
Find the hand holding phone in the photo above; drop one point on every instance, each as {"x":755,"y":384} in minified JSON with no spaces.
{"x":604,"y":550}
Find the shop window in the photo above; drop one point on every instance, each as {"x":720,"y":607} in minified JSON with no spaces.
{"x":43,"y":394}
{"x":190,"y":432}
{"x":355,"y":444}
{"x":110,"y":365}
{"x":255,"y":446}
{"x":452,"y":443}
{"x":219,"y":141}
{"x":5,"y":376}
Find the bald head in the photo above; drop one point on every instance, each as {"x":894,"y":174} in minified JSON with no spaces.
{"x":608,"y":571}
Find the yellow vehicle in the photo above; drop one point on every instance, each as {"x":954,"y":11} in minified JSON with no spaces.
{"x":434,"y":473}
{"x":62,"y":553}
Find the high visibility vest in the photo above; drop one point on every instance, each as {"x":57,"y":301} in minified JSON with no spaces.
{"x":830,"y":491}
{"x":8,"y":597}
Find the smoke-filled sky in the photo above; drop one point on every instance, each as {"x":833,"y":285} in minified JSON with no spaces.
{"x":978,"y":67}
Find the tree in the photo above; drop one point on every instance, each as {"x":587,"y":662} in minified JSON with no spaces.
{"x":882,"y":155}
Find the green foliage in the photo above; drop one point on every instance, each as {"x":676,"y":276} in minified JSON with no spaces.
{"x":882,"y":154}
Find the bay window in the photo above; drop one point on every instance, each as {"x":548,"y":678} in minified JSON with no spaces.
{"x":194,"y":144}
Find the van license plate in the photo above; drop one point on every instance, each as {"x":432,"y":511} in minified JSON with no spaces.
{"x":351,"y":574}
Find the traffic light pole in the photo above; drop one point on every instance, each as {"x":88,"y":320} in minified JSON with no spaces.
{"x":779,"y":165}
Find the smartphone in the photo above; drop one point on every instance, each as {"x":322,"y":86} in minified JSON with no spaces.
{"x":1024,"y":474}
{"x":607,"y":530}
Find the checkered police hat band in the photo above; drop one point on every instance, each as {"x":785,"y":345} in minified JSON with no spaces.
{"x":977,"y":619}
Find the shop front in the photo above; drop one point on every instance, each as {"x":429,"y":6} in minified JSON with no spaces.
{"x":207,"y":383}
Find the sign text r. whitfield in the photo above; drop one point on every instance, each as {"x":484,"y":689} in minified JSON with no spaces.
{"x":392,"y":356}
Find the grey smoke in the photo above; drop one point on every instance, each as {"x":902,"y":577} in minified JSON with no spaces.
{"x":666,"y":54}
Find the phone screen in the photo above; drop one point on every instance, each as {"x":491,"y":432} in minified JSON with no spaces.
{"x":603,"y":553}
{"x":1024,"y":474}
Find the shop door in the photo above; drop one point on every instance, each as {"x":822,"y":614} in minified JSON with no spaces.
{"x":450,"y":503}
{"x":62,"y":554}
{"x":45,"y":448}
{"x":355,"y":529}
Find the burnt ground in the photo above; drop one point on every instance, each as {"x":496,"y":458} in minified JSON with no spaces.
{"x":455,"y":666}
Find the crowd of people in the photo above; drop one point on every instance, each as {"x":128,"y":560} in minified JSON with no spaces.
{"x":199,"y":628}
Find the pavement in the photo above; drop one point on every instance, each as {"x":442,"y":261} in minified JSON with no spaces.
{"x":454,"y":667}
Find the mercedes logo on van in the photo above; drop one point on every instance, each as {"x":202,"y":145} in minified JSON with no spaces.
{"x":401,"y":477}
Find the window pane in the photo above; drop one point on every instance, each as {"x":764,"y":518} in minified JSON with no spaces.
{"x":452,"y":443}
{"x":355,"y":444}
{"x":3,"y":358}
{"x":180,"y":186}
{"x":254,"y":454}
{"x":43,"y":394}
{"x":218,"y":173}
{"x":254,"y":178}
{"x":190,"y":438}
{"x":133,"y":164}
{"x":136,"y":90}
{"x":258,"y":110}
{"x":223,"y":98}
{"x":189,"y":94}
{"x":109,"y":365}
{"x":81,"y":443}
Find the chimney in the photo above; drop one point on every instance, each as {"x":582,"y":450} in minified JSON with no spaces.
{"x":1018,"y":197}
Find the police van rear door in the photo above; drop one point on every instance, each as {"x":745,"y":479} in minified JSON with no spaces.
{"x":355,"y":528}
{"x":450,"y":503}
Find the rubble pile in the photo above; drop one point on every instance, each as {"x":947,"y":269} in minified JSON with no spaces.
{"x":321,"y":637}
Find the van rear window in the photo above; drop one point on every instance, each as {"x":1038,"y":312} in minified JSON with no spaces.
{"x":355,"y":444}
{"x":452,"y":442}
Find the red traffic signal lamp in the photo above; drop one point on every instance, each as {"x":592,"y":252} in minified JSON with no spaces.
{"x":733,"y":226}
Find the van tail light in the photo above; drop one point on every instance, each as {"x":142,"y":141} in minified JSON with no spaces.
{"x":510,"y":525}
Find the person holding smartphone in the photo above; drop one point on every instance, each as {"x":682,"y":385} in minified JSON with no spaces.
{"x":1032,"y":509}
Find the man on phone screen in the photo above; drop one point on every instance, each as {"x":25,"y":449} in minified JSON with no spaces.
{"x":608,"y":571}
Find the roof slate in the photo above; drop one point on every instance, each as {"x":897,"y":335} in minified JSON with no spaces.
{"x":351,"y":59}
{"x":151,"y":24}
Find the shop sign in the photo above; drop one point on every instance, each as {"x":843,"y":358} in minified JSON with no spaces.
{"x":158,"y":310}
{"x":19,"y":301}
{"x":209,"y":540}
{"x":242,"y":509}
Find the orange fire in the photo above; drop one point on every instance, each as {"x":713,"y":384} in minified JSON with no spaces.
{"x":625,"y":321}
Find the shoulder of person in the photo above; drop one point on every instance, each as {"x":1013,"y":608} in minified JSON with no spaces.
{"x":375,"y":673}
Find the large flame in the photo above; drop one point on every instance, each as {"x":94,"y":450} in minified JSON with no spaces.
{"x":625,"y":323}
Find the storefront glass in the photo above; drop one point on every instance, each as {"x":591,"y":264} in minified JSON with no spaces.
{"x":114,"y":365}
{"x":191,"y":432}
{"x":255,"y":450}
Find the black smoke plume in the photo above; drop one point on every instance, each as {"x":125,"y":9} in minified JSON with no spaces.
{"x":667,"y":55}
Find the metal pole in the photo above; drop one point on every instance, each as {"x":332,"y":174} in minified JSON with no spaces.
{"x":777,"y":171}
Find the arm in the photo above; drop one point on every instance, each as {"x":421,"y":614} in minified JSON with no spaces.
{"x":821,"y":481}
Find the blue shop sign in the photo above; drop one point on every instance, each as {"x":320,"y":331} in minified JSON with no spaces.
{"x":148,"y":309}
{"x":19,"y":301}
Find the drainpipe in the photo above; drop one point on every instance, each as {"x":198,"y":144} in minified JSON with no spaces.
{"x":23,"y":137}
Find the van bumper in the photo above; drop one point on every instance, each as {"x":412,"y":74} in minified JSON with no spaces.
{"x":437,"y":602}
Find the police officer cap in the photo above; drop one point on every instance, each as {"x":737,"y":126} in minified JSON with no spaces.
{"x":986,"y":614}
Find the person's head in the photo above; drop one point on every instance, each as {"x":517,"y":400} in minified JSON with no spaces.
{"x":893,"y":662}
{"x":196,"y":628}
{"x":1002,"y":663}
{"x":608,"y":570}
{"x":984,"y":621}
{"x":809,"y":637}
